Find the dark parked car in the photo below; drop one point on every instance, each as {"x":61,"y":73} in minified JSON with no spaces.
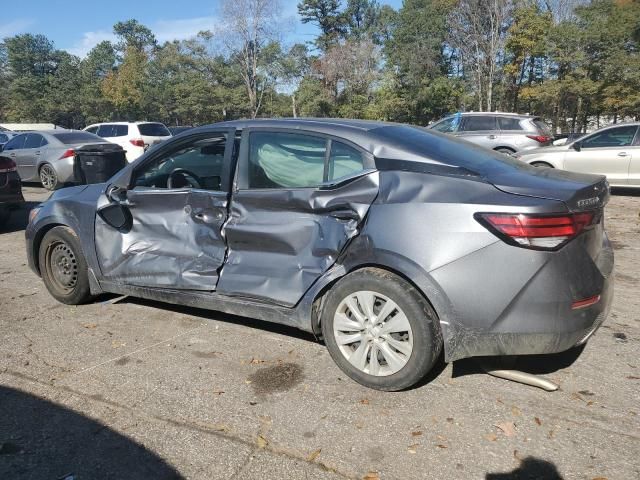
{"x":389,"y":241}
{"x":10,"y":189}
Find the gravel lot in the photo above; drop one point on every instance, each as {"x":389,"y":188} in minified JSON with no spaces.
{"x":135,"y":389}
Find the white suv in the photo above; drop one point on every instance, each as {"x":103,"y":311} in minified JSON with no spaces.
{"x":134,"y":137}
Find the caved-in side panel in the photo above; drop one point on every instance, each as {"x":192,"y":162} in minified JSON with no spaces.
{"x":175,"y":240}
{"x":281,"y":241}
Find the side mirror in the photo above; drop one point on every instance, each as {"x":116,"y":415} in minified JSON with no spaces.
{"x":117,"y":216}
{"x":576,"y":146}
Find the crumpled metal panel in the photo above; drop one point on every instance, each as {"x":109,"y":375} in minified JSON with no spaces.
{"x":167,"y":246}
{"x":281,"y":241}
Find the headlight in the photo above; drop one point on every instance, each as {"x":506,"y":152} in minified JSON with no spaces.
{"x":34,"y":213}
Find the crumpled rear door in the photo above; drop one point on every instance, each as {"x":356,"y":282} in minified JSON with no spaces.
{"x":281,"y":241}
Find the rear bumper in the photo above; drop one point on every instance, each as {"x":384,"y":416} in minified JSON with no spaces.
{"x":535,"y":317}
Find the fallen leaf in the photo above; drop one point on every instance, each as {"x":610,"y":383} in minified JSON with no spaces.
{"x":441,"y":438}
{"x":261,"y":441}
{"x":538,"y":421}
{"x":599,"y":478}
{"x":508,"y":428}
{"x":89,"y":325}
{"x":256,"y":361}
{"x":586,"y":393}
{"x":516,"y":411}
{"x":413,"y":448}
{"x":450,"y":419}
{"x":371,"y":476}
{"x":312,"y":457}
{"x":516,"y":455}
{"x":589,"y":403}
{"x":551,"y":434}
{"x":439,"y":445}
{"x":492,"y":437}
{"x":632,"y":377}
{"x":218,"y":392}
{"x":417,"y":433}
{"x":364,"y":401}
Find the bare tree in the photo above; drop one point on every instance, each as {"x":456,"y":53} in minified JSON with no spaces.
{"x":478,"y":29}
{"x":249,"y":26}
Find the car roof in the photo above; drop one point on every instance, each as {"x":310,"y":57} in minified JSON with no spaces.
{"x":497,"y":114}
{"x":123,"y":123}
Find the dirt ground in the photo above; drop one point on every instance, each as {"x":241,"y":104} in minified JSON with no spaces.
{"x":136,"y":389}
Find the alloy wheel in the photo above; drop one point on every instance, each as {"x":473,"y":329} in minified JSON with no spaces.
{"x":48,"y":177}
{"x":373,"y":333}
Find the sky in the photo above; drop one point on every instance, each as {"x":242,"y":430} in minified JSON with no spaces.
{"x":78,"y":25}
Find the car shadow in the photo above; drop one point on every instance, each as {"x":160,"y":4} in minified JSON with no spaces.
{"x":227,"y":318}
{"x":18,"y":219}
{"x":529,"y":468}
{"x":534,"y":364}
{"x":40,"y":439}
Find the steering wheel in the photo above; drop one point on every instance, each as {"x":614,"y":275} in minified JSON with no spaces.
{"x":180,"y":178}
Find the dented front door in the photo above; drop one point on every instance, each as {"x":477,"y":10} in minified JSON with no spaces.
{"x":174,"y":236}
{"x":285,"y":231}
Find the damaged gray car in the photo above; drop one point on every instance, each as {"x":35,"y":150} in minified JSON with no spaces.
{"x":391,"y":242}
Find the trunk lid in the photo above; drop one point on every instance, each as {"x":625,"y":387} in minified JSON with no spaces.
{"x":578,"y":191}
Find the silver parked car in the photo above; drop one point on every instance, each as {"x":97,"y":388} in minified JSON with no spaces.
{"x":48,"y":156}
{"x":503,"y":132}
{"x":5,"y":136}
{"x":613,"y":151}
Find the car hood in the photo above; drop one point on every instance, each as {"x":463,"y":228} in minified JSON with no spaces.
{"x":86,"y":191}
{"x":578,"y":191}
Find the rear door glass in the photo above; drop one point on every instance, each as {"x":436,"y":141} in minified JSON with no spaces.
{"x":506,"y":123}
{"x":33,"y":141}
{"x":344,"y":161}
{"x":106,"y":131}
{"x":153,"y":130}
{"x":474,"y":123}
{"x":120,"y":130}
{"x":286,"y":160}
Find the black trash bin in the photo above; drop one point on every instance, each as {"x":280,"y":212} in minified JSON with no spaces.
{"x":98,"y":163}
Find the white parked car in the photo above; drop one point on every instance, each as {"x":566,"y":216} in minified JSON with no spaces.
{"x":613,"y":151}
{"x":134,"y":137}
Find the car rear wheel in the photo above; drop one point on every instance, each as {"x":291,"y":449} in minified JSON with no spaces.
{"x":541,"y":164}
{"x":505,"y":150}
{"x":48,"y":177}
{"x":63,"y":266}
{"x":380,"y":330}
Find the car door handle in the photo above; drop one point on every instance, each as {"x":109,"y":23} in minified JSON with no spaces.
{"x":345,"y":215}
{"x":492,"y":137}
{"x":623,"y":154}
{"x":37,"y":153}
{"x":209,"y":217}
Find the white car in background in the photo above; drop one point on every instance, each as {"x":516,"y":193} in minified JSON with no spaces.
{"x":613,"y":151}
{"x":134,"y":137}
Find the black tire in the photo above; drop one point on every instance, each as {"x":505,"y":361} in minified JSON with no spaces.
{"x":541,"y":164}
{"x":63,"y":266}
{"x":48,"y":177}
{"x":505,"y":150}
{"x":425,"y":327}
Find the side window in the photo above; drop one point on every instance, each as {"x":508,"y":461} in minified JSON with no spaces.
{"x":105,"y":131}
{"x":120,"y":130}
{"x":15,"y":143}
{"x":33,"y":141}
{"x":613,"y":137}
{"x":285,"y":160}
{"x":3,"y":138}
{"x":474,"y":123}
{"x":344,"y":160}
{"x":198,"y":164}
{"x":92,"y":130}
{"x":448,"y":125}
{"x":506,"y":123}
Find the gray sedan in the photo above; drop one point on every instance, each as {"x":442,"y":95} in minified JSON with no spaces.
{"x":47,"y":156}
{"x":391,"y":242}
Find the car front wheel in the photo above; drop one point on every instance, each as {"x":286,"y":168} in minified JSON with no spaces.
{"x":380,"y":330}
{"x":63,"y":267}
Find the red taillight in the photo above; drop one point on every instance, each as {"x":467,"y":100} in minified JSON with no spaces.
{"x":138,"y":142}
{"x":68,"y":153}
{"x":537,"y":231}
{"x":539,"y":138}
{"x":7,"y":165}
{"x":587,"y":302}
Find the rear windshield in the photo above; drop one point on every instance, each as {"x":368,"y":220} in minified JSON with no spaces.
{"x":71,"y":138}
{"x":153,"y":130}
{"x":542,"y":126}
{"x":445,"y":150}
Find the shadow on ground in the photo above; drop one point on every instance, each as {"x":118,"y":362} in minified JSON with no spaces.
{"x":39,"y":439}
{"x":530,"y":468}
{"x":623,"y":191}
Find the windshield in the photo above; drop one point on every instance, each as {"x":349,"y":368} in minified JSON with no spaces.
{"x":71,"y":138}
{"x":153,"y":130}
